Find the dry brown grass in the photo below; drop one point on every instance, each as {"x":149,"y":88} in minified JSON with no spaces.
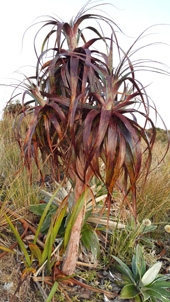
{"x":14,"y":186}
{"x":154,"y":201}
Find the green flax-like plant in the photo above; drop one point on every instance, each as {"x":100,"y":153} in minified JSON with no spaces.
{"x":84,"y":114}
{"x":44,"y":255}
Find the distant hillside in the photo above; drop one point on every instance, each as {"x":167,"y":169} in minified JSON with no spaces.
{"x":161,"y":134}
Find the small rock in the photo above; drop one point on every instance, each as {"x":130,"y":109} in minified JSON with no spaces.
{"x":85,"y":294}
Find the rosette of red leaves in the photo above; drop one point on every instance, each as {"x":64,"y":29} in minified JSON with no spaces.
{"x":86,"y":108}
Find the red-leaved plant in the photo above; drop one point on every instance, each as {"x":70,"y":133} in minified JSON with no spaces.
{"x":84,"y":115}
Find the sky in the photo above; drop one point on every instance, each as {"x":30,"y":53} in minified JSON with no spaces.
{"x":132,"y":16}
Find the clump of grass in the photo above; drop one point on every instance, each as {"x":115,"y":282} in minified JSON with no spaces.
{"x":154,"y":201}
{"x":15,"y":186}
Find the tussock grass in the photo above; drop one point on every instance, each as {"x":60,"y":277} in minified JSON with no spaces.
{"x":154,"y":201}
{"x":15,"y":186}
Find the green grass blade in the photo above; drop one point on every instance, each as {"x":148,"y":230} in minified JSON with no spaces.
{"x":50,"y":246}
{"x":6,"y":249}
{"x":51,"y":235}
{"x":47,"y":249}
{"x":73,"y":218}
{"x":58,"y":222}
{"x":20,"y":242}
{"x":45,"y":212}
{"x":52,"y":292}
